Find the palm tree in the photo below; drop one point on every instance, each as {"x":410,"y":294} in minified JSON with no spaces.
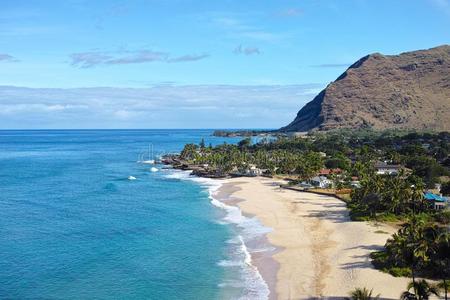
{"x":414,"y":232}
{"x":422,"y":290}
{"x":441,"y":260}
{"x":372,"y":202}
{"x":444,"y":285}
{"x":416,"y":195}
{"x":362,"y":294}
{"x":394,"y":194}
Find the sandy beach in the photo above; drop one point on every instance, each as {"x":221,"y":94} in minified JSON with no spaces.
{"x":321,"y":253}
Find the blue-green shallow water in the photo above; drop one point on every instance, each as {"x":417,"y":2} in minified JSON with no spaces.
{"x":72,"y":226}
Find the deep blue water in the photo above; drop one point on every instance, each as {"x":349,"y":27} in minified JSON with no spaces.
{"x":72,"y":226}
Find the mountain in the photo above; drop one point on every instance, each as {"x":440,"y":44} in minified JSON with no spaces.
{"x":406,"y":91}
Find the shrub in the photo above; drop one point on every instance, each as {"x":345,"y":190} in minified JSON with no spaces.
{"x":388,"y":217}
{"x":443,"y":217}
{"x":399,"y":272}
{"x":380,"y":260}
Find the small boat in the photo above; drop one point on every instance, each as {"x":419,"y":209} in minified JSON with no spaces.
{"x":131,"y":178}
{"x":153,"y":169}
{"x":149,"y":160}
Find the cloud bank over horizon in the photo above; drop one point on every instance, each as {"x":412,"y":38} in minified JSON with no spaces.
{"x":162,"y":106}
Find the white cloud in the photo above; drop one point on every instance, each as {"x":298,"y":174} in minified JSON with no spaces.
{"x":246,"y":50}
{"x":125,"y":114}
{"x":189,"y":57}
{"x":163,"y":106}
{"x":95,"y":58}
{"x":7,"y":58}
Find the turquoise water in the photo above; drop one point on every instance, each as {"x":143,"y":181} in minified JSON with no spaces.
{"x":73,"y":226}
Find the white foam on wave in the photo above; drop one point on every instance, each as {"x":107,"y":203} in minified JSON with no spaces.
{"x":231,"y":283}
{"x":178,"y":174}
{"x":253,"y":284}
{"x":229,"y":263}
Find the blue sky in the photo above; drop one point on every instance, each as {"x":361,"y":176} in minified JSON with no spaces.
{"x":295,"y":47}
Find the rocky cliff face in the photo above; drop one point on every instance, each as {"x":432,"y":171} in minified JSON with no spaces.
{"x":406,"y":91}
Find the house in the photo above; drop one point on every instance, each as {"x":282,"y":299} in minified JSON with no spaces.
{"x":253,"y":171}
{"x":250,"y":171}
{"x":437,"y":187}
{"x":382,"y":168}
{"x":298,"y":134}
{"x":327,"y":172}
{"x":321,"y":181}
{"x":354,"y":183}
{"x":436,"y":201}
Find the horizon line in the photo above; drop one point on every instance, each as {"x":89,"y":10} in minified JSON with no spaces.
{"x":164,"y":85}
{"x":105,"y":129}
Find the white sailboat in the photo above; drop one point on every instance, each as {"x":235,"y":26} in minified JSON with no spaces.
{"x":149,"y":160}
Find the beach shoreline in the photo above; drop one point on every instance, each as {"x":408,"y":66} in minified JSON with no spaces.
{"x":264,"y":261}
{"x":249,"y":250}
{"x":320,"y":251}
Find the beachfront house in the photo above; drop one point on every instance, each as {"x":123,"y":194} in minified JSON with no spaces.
{"x":328,"y":172}
{"x":250,"y":171}
{"x":321,"y":182}
{"x":382,"y":168}
{"x":355,"y":182}
{"x":254,"y":171}
{"x":436,"y":201}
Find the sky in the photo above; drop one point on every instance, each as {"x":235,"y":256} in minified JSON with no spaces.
{"x":192,"y":63}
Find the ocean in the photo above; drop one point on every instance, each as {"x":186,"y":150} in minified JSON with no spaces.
{"x":81,"y":218}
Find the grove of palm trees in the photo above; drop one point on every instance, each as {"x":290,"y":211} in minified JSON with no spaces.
{"x":420,"y":248}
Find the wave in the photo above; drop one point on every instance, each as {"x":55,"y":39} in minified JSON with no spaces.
{"x":178,"y":174}
{"x":249,"y":228}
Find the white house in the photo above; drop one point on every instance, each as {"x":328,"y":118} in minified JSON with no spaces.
{"x":251,"y":171}
{"x":383,"y":168}
{"x":355,"y":184}
{"x":321,"y":181}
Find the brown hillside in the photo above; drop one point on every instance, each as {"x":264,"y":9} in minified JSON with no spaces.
{"x":408,"y":91}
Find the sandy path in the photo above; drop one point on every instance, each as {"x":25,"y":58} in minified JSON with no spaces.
{"x":323,"y":253}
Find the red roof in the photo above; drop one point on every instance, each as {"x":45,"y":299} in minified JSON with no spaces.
{"x":330,"y":171}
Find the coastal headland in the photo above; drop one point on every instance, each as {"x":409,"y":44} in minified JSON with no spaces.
{"x":322,"y":253}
